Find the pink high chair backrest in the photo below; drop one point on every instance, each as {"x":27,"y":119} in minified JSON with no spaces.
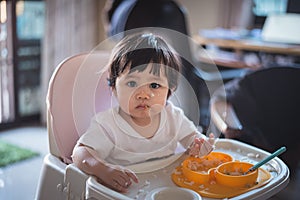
{"x":77,"y":90}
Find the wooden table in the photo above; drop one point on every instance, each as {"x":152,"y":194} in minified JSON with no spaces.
{"x":240,"y":46}
{"x":251,"y":45}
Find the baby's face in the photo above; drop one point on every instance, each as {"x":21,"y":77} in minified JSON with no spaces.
{"x":142,"y":94}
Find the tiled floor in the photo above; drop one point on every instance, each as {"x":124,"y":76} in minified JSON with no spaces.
{"x":19,"y":181}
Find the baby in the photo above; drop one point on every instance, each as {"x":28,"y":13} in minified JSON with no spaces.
{"x":143,"y":73}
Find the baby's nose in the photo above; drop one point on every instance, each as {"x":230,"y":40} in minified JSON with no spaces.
{"x":143,"y":93}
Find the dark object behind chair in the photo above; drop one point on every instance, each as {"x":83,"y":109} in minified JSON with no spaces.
{"x":131,"y":14}
{"x":267,"y":103}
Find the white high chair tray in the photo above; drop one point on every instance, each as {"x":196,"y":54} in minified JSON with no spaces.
{"x":162,"y":177}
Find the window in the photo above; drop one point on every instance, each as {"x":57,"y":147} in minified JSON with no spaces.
{"x":22,"y":28}
{"x":30,"y":30}
{"x":263,"y":8}
{"x":266,"y":7}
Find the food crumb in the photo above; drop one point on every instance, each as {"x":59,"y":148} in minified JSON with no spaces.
{"x":213,"y":182}
{"x":147,"y":183}
{"x":177,"y":172}
{"x":154,"y":175}
{"x":141,"y":191}
{"x":189,"y":183}
{"x":251,"y":155}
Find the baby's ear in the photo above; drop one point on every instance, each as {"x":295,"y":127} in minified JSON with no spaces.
{"x":173,"y":89}
{"x":170,"y":92}
{"x":114,"y":91}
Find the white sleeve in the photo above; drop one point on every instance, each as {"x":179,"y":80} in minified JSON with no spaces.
{"x":187,"y":127}
{"x":97,"y":138}
{"x":177,"y":119}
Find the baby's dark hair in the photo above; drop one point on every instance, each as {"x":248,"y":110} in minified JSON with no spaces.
{"x":136,"y":51}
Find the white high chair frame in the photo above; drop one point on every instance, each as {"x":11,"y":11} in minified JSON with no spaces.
{"x":71,"y":105}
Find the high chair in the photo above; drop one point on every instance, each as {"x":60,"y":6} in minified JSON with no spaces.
{"x":68,"y":88}
{"x":77,"y":90}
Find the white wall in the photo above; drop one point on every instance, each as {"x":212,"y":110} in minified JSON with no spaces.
{"x":202,"y":14}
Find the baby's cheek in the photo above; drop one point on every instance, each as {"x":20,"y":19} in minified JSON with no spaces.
{"x":124,"y":103}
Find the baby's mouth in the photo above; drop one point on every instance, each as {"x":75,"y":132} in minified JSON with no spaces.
{"x":143,"y":106}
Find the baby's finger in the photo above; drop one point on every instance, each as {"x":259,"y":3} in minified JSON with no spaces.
{"x":211,"y":139}
{"x":205,"y":149}
{"x":132,"y":175}
{"x":124,"y":180}
{"x":195,"y":149}
{"x":116,"y":185}
{"x":198,"y":141}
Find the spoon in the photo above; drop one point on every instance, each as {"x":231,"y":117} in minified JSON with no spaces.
{"x":270,"y":157}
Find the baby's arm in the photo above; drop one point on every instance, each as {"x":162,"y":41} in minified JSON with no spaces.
{"x":113,"y":176}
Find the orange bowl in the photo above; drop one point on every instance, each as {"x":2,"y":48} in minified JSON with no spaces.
{"x":232,"y":174}
{"x":197,"y":169}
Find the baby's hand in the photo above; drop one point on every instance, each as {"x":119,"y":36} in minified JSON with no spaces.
{"x":117,"y":177}
{"x":202,"y":147}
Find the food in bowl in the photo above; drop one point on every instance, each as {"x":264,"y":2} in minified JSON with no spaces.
{"x":236,"y":172}
{"x":233,"y":174}
{"x":203,"y":164}
{"x":197,"y":169}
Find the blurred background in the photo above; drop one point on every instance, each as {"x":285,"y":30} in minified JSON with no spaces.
{"x":36,"y":35}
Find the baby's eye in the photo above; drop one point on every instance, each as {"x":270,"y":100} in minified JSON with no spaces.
{"x":132,"y":84}
{"x":155,"y":85}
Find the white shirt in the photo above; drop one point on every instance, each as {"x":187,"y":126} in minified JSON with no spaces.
{"x":118,"y":143}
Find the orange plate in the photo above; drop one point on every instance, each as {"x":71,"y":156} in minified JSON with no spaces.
{"x":213,"y":190}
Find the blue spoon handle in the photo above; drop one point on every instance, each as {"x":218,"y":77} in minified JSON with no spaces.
{"x":270,"y":157}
